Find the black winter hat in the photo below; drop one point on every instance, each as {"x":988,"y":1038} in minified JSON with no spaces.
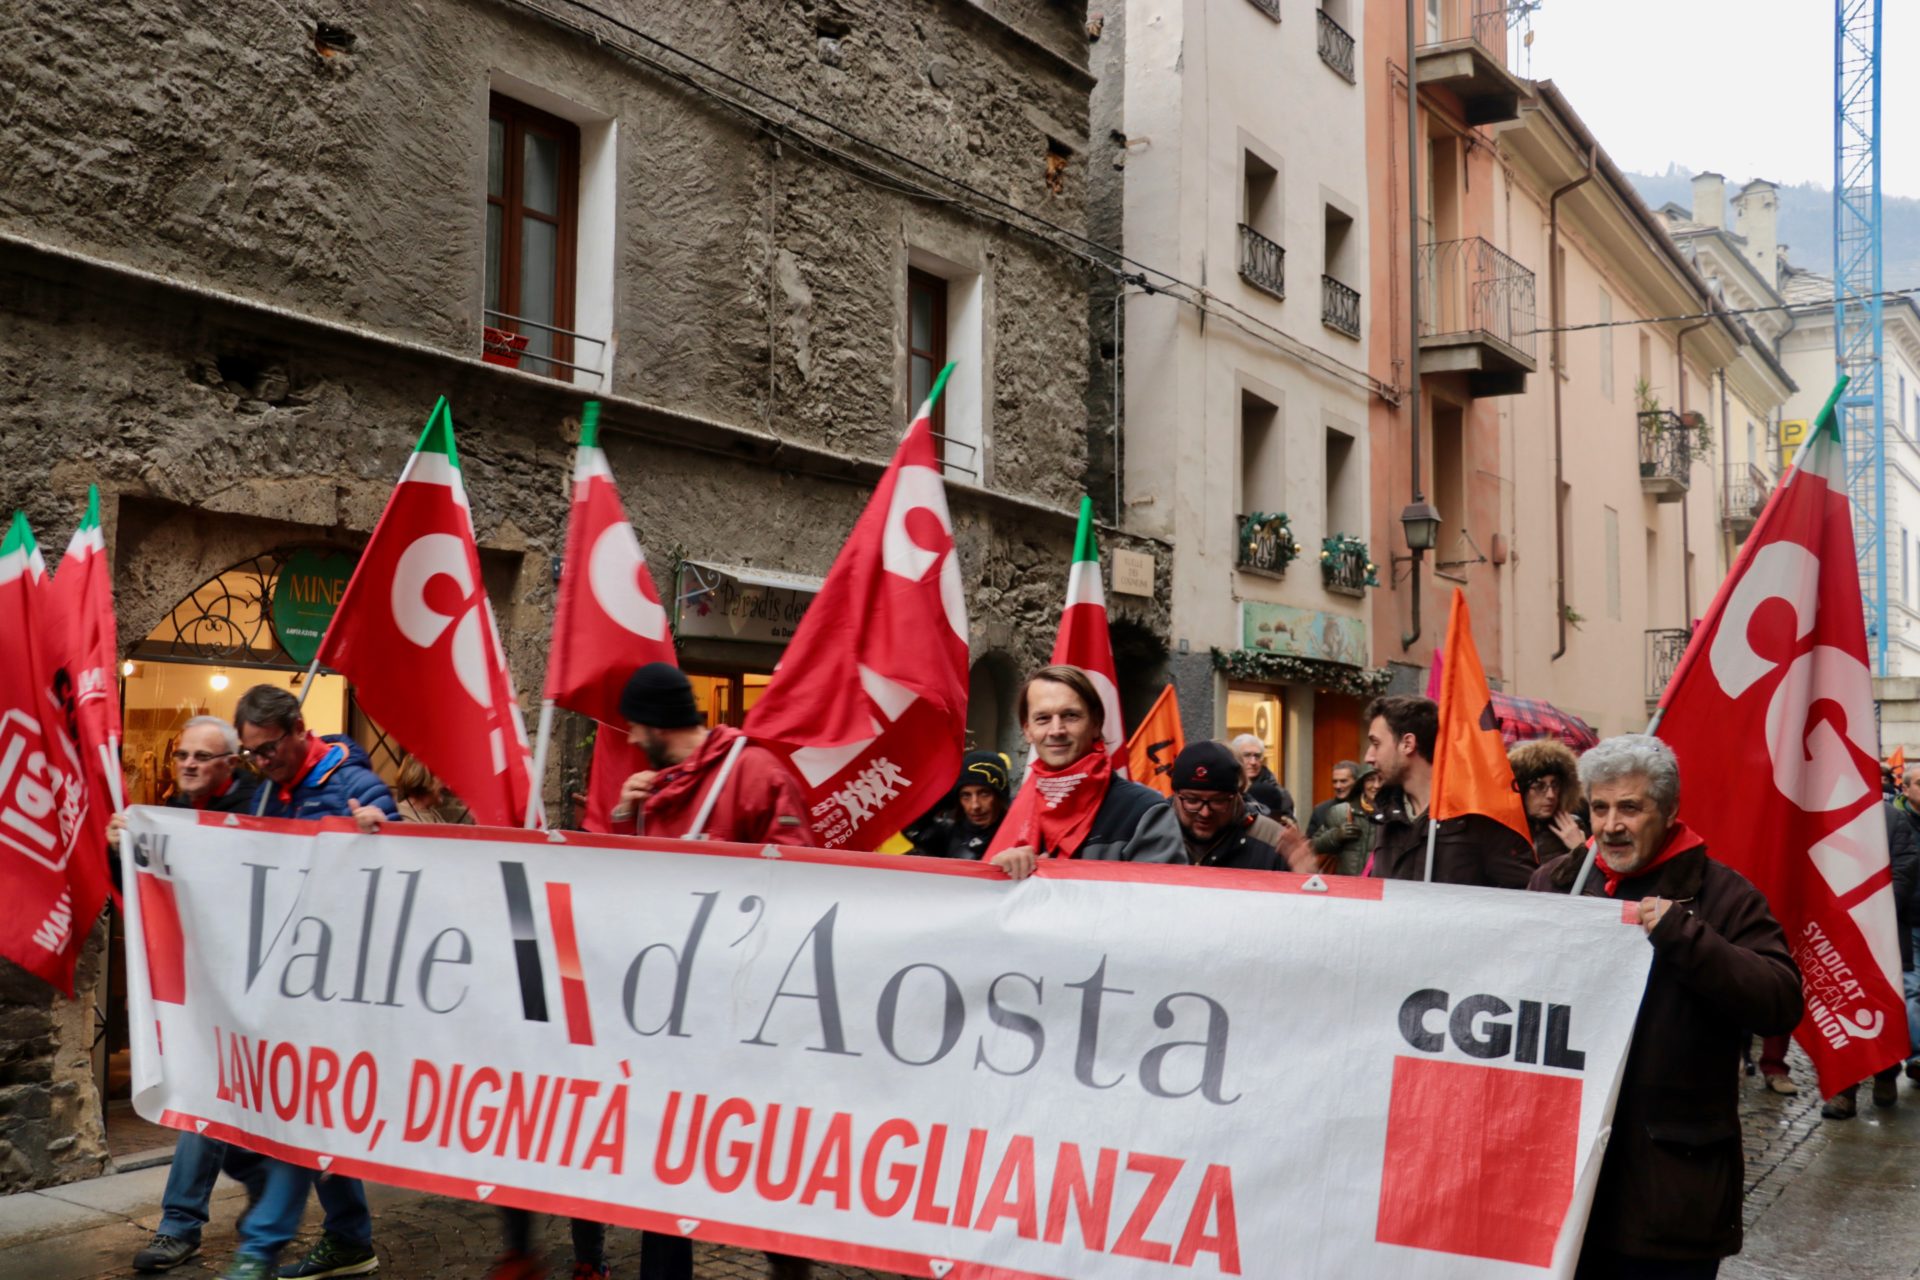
{"x":1207,"y":766}
{"x":983,"y":769}
{"x":659,"y":696}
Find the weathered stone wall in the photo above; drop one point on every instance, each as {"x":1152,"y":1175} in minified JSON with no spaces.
{"x":759,"y":304}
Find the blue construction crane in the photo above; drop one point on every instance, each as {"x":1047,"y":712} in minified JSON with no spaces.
{"x":1858,"y":342}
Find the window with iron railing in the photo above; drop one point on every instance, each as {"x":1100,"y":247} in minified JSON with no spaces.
{"x":1269,"y":7}
{"x":1665,"y":645}
{"x":1339,"y":307}
{"x":533,"y":182}
{"x":1336,"y":46}
{"x":1468,"y":286}
{"x":1263,"y":264}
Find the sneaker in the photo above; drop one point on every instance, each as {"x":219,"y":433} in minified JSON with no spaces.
{"x":589,"y":1271}
{"x":514,"y":1265}
{"x":333,"y":1257}
{"x":245,"y":1268}
{"x":1783,"y":1085}
{"x":164,"y":1253}
{"x":1886,"y":1091}
{"x":1840,"y":1106}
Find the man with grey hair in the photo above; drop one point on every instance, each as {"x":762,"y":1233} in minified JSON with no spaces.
{"x":1668,"y":1203}
{"x":204,"y":777}
{"x":1262,"y":787}
{"x":1343,"y":777}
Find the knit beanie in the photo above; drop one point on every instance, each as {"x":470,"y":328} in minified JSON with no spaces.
{"x":1207,"y":766}
{"x":659,"y":696}
{"x":983,"y":769}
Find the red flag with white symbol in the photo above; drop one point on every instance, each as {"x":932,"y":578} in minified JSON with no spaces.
{"x":85,"y":652}
{"x":870,"y":702}
{"x":1083,"y":640}
{"x":1771,"y":714}
{"x":53,"y":872}
{"x":416,"y":635}
{"x":607,"y":623}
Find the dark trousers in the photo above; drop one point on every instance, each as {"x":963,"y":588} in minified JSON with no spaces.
{"x":664,"y":1257}
{"x":589,"y":1238}
{"x":1604,"y":1264}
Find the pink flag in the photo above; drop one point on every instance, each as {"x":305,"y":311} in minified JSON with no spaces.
{"x":1771,"y":714}
{"x":870,"y":702}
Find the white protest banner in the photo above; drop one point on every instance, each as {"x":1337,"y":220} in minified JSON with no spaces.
{"x":909,"y":1064}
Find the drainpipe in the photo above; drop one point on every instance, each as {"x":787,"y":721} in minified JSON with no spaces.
{"x":1557,"y":303}
{"x":1686,"y":499}
{"x":1411,"y":638}
{"x":1726,"y":457}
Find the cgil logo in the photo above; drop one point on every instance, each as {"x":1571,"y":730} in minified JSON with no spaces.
{"x":1487,"y":1027}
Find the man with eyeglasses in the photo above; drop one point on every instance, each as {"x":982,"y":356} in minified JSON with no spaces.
{"x":204,"y":778}
{"x":308,"y":777}
{"x":1209,"y":787}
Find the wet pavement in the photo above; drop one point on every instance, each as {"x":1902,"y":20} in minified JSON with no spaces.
{"x":1825,"y":1201}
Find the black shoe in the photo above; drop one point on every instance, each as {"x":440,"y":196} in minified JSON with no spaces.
{"x":332,"y":1257}
{"x":1840,"y":1106}
{"x":164,"y":1253}
{"x":1886,"y":1091}
{"x":1913,"y":1069}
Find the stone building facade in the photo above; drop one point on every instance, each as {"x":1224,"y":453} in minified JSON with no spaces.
{"x":239,"y":260}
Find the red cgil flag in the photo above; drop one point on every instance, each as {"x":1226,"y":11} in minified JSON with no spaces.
{"x":53,"y":869}
{"x":416,"y":635}
{"x":870,"y":702}
{"x":607,"y":623}
{"x":1771,"y":714}
{"x":1083,"y":639}
{"x":1470,"y":769}
{"x":85,"y":650}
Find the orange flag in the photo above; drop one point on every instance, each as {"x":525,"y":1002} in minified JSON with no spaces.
{"x":1154,"y":744}
{"x":1470,"y":769}
{"x":1897,"y":762}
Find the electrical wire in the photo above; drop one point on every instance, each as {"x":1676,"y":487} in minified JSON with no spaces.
{"x":1147,"y":278}
{"x":1822,"y":304}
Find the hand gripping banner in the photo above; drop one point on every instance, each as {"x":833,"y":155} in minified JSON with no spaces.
{"x":907,"y":1064}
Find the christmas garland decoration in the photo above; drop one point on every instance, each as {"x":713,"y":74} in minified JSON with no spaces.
{"x":1267,"y":544}
{"x":1332,"y":677}
{"x":1344,"y":562}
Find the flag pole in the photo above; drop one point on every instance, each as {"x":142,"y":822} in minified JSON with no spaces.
{"x":698,"y":831}
{"x":542,"y":738}
{"x":306,"y":686}
{"x":1433,"y":834}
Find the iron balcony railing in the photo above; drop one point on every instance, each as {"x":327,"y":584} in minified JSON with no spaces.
{"x":1339,"y":307}
{"x":1468,"y":287}
{"x":1666,"y":447}
{"x":1482,"y":21}
{"x":1263,"y":264}
{"x":1336,"y":46}
{"x":1345,"y":566}
{"x":520,"y":343}
{"x":1269,"y":7}
{"x":1745,"y":499}
{"x":1265,"y":542}
{"x":1664,"y":647}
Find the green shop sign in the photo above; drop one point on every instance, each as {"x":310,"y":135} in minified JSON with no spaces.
{"x":305,"y":595}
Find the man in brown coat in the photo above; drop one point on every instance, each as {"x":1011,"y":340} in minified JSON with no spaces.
{"x":1668,"y":1203}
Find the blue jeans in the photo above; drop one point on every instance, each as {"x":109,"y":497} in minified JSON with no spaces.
{"x":283,"y":1199}
{"x":197,"y":1162}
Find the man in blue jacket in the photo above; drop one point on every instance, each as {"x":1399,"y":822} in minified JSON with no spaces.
{"x":307,"y":777}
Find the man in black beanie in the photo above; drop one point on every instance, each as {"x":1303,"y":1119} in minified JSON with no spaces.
{"x":1209,"y":787}
{"x":964,"y":822}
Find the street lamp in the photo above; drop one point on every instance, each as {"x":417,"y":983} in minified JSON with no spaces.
{"x":1421,"y":520}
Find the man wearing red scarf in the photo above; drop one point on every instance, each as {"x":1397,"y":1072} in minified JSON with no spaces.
{"x":1668,"y":1203}
{"x":1071,"y":805}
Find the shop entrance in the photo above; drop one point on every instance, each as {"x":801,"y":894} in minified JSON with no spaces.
{"x":209,"y":650}
{"x":1260,"y":709}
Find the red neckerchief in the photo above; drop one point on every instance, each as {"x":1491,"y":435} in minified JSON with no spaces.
{"x":315,"y":749}
{"x":208,"y":796}
{"x":1679,"y":839}
{"x":1054,"y":811}
{"x":691,"y":772}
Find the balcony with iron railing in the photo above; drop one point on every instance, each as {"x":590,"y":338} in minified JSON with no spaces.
{"x":1339,"y":307}
{"x":1476,"y":316}
{"x":1336,"y":46}
{"x":1666,"y":454}
{"x":1263,"y":264}
{"x":1746,"y":497}
{"x":517,"y":342}
{"x":1464,"y":50}
{"x":1264,"y":543}
{"x":1665,"y":645}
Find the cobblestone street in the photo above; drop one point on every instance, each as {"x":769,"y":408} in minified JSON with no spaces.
{"x":1825,"y":1200}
